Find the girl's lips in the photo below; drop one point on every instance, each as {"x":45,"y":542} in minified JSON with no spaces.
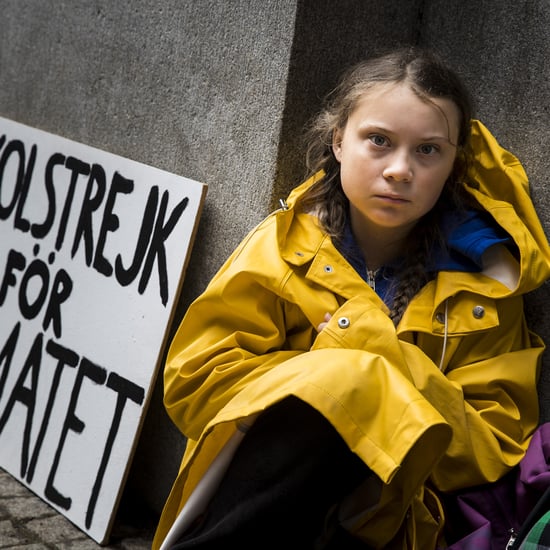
{"x":392,"y":198}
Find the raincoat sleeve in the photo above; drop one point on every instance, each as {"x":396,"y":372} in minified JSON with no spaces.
{"x":235,"y":331}
{"x":488,"y":395}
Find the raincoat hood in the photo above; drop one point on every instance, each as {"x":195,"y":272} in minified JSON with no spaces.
{"x":504,"y":192}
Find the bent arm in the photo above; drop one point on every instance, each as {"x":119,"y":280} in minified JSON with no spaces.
{"x":488,"y":394}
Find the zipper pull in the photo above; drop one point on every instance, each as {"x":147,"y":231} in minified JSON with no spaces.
{"x":512,"y":540}
{"x":371,"y":278}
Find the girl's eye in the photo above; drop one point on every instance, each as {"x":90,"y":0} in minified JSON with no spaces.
{"x":378,"y":140}
{"x":428,"y":149}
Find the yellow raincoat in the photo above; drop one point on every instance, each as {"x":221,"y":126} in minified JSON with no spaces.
{"x":446,"y":401}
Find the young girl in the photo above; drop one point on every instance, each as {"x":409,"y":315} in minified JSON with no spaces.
{"x":364,"y":350}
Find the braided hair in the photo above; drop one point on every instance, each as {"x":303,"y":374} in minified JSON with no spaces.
{"x":429,"y":78}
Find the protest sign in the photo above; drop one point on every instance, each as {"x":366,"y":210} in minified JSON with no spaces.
{"x":93,"y":251}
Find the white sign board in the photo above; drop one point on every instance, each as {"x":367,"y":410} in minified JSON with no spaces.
{"x":93,"y":250}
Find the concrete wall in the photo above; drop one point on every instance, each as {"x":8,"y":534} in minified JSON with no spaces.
{"x":219,"y":91}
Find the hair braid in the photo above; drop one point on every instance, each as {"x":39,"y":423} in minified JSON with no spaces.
{"x":413,"y":277}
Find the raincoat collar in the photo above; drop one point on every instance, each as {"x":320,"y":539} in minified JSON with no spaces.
{"x":468,"y":235}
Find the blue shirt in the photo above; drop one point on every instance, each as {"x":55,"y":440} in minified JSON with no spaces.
{"x":468,"y":235}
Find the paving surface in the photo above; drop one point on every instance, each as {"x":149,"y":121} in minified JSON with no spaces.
{"x":27,"y":522}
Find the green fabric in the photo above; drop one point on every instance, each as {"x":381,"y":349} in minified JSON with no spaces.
{"x":539,"y":536}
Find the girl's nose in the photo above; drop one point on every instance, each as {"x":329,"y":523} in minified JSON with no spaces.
{"x":399,"y":167}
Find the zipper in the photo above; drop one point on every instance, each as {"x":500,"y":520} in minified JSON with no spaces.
{"x":371,"y":277}
{"x":512,"y":540}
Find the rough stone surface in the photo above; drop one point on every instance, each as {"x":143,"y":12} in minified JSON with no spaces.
{"x":27,"y":522}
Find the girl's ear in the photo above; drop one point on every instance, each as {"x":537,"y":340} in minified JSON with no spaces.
{"x":337,"y":144}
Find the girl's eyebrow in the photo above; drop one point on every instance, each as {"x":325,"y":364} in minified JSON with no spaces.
{"x":385,"y":130}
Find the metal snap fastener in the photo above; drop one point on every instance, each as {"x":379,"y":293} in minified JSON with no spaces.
{"x":328,"y":269}
{"x":478,"y":312}
{"x":440,"y":317}
{"x":343,"y":322}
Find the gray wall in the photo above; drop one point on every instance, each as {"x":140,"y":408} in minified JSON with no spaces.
{"x":219,"y":91}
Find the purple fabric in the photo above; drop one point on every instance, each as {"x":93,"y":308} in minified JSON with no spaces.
{"x":480,"y":518}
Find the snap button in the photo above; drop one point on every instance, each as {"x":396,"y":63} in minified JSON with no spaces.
{"x":478,"y":312}
{"x":343,"y":322}
{"x":440,"y":317}
{"x":301,"y":254}
{"x":328,"y":269}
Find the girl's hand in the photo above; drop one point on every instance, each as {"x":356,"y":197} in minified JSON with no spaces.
{"x":326,"y":319}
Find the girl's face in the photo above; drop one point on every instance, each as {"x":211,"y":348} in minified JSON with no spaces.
{"x":395,"y":153}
